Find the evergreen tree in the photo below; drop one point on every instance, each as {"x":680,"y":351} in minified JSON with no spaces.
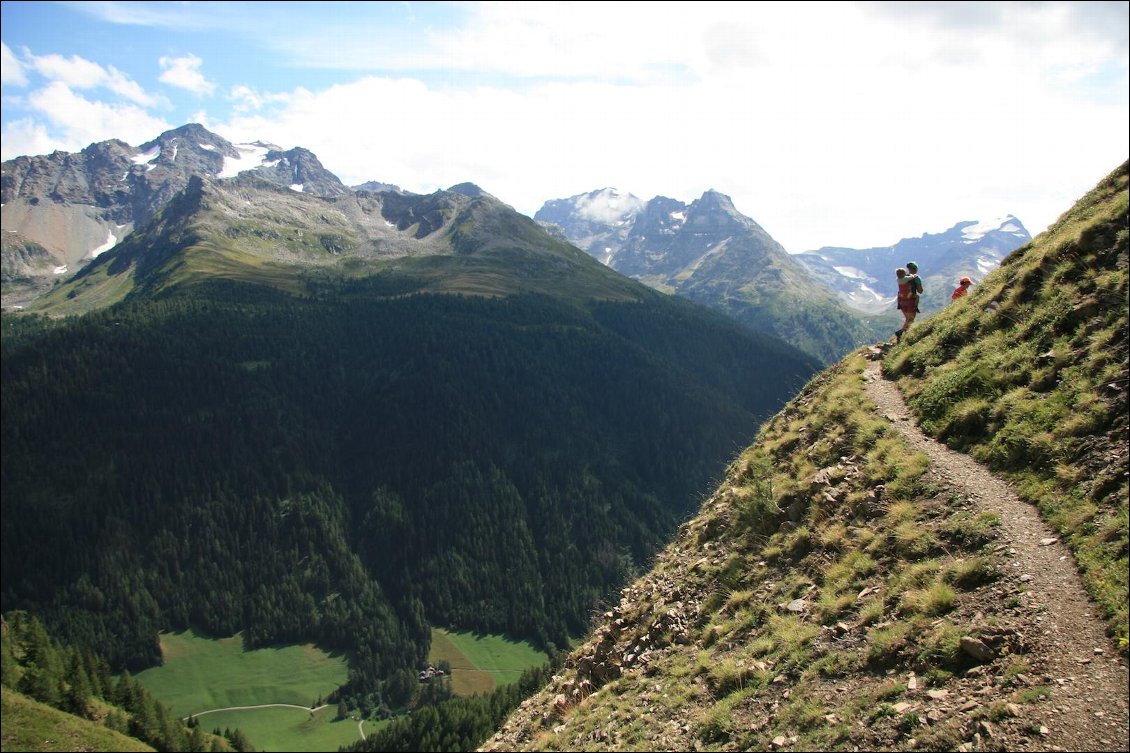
{"x":198,"y":742}
{"x":79,"y":691}
{"x":42,"y":678}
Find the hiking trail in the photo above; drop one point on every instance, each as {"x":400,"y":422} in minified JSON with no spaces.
{"x":1088,"y":709}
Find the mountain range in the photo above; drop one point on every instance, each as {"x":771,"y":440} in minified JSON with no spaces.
{"x":62,"y":210}
{"x":709,"y":252}
{"x":864,"y":278}
{"x":825,"y":302}
{"x":338,"y":416}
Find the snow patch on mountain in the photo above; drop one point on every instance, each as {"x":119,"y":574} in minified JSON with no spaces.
{"x":978,"y":230}
{"x":250,"y":157}
{"x":146,"y":157}
{"x":110,"y":242}
{"x":867,"y":298}
{"x":608,"y":206}
{"x":853,"y":273}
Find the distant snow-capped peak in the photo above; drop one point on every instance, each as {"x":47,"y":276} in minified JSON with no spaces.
{"x":607,"y":206}
{"x":975,"y":231}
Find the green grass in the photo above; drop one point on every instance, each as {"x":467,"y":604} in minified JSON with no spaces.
{"x":290,"y":729}
{"x":479,"y":662}
{"x":31,"y":725}
{"x":1030,"y":378}
{"x":201,"y":674}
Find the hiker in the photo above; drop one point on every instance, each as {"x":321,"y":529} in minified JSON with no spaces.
{"x":909,"y":288}
{"x":913,"y":278}
{"x":961,"y":289}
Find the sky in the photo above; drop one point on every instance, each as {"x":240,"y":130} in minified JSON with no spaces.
{"x":852,"y":124}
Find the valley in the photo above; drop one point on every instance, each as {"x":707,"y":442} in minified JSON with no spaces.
{"x":301,"y":415}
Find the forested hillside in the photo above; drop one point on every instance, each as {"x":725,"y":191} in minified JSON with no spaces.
{"x":347,"y":467}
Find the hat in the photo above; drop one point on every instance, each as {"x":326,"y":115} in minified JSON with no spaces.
{"x":911,"y":266}
{"x":965,"y":281}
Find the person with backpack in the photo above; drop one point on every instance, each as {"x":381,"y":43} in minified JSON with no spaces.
{"x":910,"y":288}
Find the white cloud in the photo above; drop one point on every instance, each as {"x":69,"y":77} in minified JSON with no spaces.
{"x":27,"y":137}
{"x":246,"y":99}
{"x":75,"y":72}
{"x":857,"y":149}
{"x":119,"y":83}
{"x":79,"y":73}
{"x":179,"y":15}
{"x":11,"y":69}
{"x":78,"y":121}
{"x":184,"y":72}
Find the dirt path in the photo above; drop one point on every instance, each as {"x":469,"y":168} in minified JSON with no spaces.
{"x":259,"y":706}
{"x":1089,"y":709}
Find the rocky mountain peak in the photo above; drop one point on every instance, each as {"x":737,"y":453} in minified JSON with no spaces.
{"x":709,"y":252}
{"x":467,"y":189}
{"x":300,"y":170}
{"x":75,"y":206}
{"x":717,"y":210}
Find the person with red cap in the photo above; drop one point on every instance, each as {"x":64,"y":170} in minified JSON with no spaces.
{"x":961,"y":289}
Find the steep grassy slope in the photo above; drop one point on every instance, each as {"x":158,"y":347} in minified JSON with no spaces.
{"x":1029,"y":375}
{"x":836,"y":593}
{"x":31,"y":725}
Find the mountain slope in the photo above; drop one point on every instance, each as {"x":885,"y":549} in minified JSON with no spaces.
{"x":253,"y":230}
{"x":31,"y":725}
{"x":340,"y":419}
{"x":865,"y":278}
{"x":1030,"y":377}
{"x":844,"y":589}
{"x":78,"y":206}
{"x":710,"y":253}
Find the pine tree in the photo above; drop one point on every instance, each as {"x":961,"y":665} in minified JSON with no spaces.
{"x":43,"y":675}
{"x":79,"y":690}
{"x":198,"y":742}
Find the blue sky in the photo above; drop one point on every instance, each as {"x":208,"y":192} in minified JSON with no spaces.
{"x":851,"y":124}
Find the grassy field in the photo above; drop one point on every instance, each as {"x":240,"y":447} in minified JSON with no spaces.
{"x":30,"y":725}
{"x":201,"y":674}
{"x":290,"y":729}
{"x":480,"y":663}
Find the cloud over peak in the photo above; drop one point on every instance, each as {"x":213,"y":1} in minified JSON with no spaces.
{"x":184,"y":72}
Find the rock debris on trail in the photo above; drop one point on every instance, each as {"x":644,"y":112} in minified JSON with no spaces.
{"x":1090,"y":710}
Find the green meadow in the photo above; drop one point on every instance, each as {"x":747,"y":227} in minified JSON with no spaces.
{"x":480,"y":663}
{"x":276,"y":729}
{"x":201,"y":674}
{"x":217,"y":677}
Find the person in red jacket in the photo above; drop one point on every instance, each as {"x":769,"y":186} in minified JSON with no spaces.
{"x":961,"y":289}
